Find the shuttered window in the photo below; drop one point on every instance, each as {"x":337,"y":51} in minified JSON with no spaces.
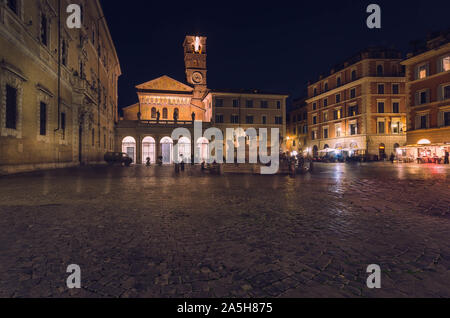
{"x":11,"y":107}
{"x":43,"y":119}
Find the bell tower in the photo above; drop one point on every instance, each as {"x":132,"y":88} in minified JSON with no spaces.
{"x":195,"y":63}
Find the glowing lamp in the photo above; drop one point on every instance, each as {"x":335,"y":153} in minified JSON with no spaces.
{"x":424,"y":142}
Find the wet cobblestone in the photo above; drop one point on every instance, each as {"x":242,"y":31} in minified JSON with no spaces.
{"x":145,"y":232}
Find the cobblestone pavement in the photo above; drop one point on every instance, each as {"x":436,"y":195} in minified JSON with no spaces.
{"x":144,"y":232}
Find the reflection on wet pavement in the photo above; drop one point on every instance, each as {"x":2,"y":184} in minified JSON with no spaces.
{"x":146,"y":232}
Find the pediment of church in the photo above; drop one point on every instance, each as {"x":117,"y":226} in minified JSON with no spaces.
{"x":165,"y":83}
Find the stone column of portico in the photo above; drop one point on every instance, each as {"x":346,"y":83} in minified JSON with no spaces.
{"x":193,"y":144}
{"x":139,"y":150}
{"x":158,"y":147}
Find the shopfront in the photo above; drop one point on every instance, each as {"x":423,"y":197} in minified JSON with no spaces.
{"x":424,"y":152}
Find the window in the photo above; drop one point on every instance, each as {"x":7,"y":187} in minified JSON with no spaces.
{"x":353,"y":110}
{"x":424,"y":122}
{"x":396,"y":108}
{"x":63,"y":125}
{"x":381,"y":107}
{"x":423,"y":97}
{"x":338,"y":98}
{"x":337,"y":114}
{"x":395,"y":89}
{"x":446,"y":119}
{"x":219,"y":102}
{"x":381,"y":127}
{"x":315,"y":91}
{"x":338,"y":82}
{"x":314,"y":135}
{"x":249,"y":119}
{"x":326,"y":87}
{"x":64,"y":52}
{"x":380,"y":88}
{"x":12,"y":4}
{"x":236,"y":103}
{"x":278,"y":120}
{"x":314,"y":106}
{"x":325,"y":116}
{"x":264,"y":104}
{"x":396,"y":127}
{"x":305,"y":129}
{"x":11,"y":107}
{"x":338,"y":131}
{"x":219,"y":119}
{"x":353,"y":93}
{"x":278,"y":104}
{"x":264,"y":120}
{"x":249,"y":104}
{"x":305,"y":116}
{"x":325,"y":102}
{"x":165,"y":113}
{"x":153,"y":112}
{"x":445,"y":65}
{"x":314,"y":120}
{"x":444,"y":92}
{"x":380,"y":70}
{"x":43,"y":119}
{"x":353,"y":129}
{"x":325,"y":133}
{"x":44,"y":30}
{"x":422,"y":71}
{"x":234,"y":119}
{"x":354,"y":75}
{"x":93,"y":137}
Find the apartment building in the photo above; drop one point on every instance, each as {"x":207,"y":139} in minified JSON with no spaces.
{"x":58,"y":86}
{"x":297,"y":127}
{"x":428,"y":85}
{"x":359,"y":108}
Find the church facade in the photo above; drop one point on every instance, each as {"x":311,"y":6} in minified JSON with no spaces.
{"x":165,"y":104}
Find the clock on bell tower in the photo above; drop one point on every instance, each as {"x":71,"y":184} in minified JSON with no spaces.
{"x":195,"y":60}
{"x":195,"y":63}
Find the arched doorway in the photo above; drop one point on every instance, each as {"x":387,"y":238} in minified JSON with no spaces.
{"x":203,"y":149}
{"x":382,"y":151}
{"x":184,"y":149}
{"x":148,"y":149}
{"x":129,"y":147}
{"x":315,"y":152}
{"x":167,"y":150}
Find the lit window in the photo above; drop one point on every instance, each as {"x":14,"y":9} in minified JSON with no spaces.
{"x":446,"y":63}
{"x":353,"y":129}
{"x":423,"y":71}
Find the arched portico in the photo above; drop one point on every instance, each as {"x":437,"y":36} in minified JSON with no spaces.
{"x":203,"y":149}
{"x":167,"y":150}
{"x":148,"y":149}
{"x":129,"y":147}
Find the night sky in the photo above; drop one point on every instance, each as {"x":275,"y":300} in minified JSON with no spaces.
{"x":276,"y":46}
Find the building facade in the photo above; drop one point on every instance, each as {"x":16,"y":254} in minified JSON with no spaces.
{"x":428,"y":84}
{"x":145,"y":131}
{"x":58,"y":86}
{"x":360,"y":107}
{"x":297,"y":127}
